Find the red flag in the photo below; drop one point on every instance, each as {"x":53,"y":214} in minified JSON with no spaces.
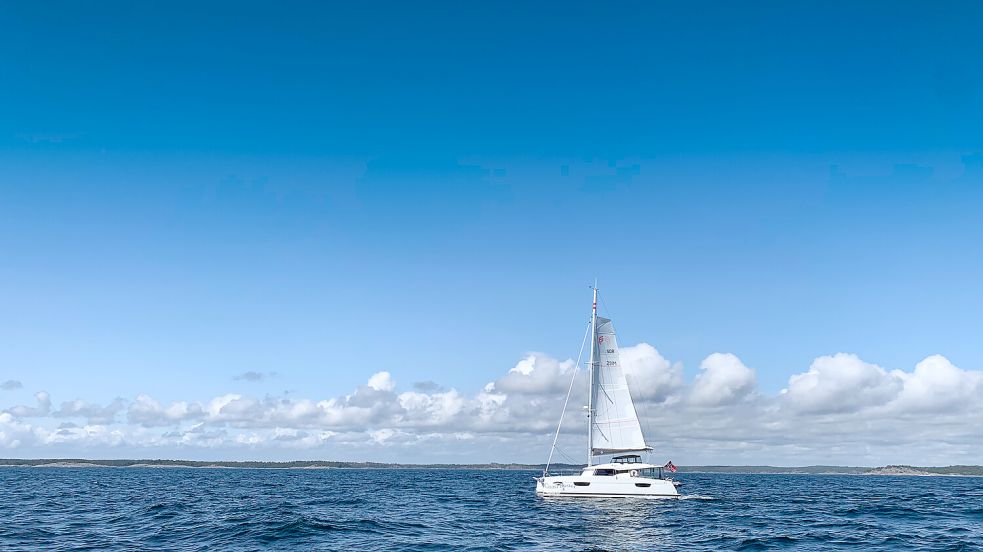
{"x":670,"y":466}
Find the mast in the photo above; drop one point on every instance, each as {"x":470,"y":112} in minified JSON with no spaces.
{"x":590,"y":387}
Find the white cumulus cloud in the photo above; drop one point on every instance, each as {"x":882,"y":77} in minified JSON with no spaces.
{"x":536,"y":374}
{"x":724,"y":380}
{"x":841,"y":383}
{"x":148,"y":412}
{"x":42,"y":408}
{"x":936,"y":385}
{"x":650,"y":375}
{"x":93,"y":413}
{"x":382,"y":381}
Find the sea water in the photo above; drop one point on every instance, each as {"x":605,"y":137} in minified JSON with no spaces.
{"x":415,"y":509}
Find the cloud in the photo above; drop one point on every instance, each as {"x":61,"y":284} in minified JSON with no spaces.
{"x":840,"y":383}
{"x":234,"y":408}
{"x":841,"y":409}
{"x":253,"y":376}
{"x":426,"y":386}
{"x":724,"y":380}
{"x":46,"y":138}
{"x":147,"y":412}
{"x":94,"y":414}
{"x":43,"y":407}
{"x":536,"y":374}
{"x":14,"y":432}
{"x":436,"y":409}
{"x":382,"y":381}
{"x":10,"y":385}
{"x":843,"y":383}
{"x":938,"y":386}
{"x":650,"y":376}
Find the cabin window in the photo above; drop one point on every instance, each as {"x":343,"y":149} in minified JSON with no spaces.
{"x":604,"y":472}
{"x":643,"y":484}
{"x":643,"y":472}
{"x":581,"y":483}
{"x":627,"y":459}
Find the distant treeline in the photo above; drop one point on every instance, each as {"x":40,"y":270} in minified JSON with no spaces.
{"x":852,"y":470}
{"x":296,"y":464}
{"x":778,"y":469}
{"x":947,"y":470}
{"x":321,"y":464}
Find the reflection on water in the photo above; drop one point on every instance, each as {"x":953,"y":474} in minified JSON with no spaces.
{"x":617,"y":524}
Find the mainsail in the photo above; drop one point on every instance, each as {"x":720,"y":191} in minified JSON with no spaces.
{"x":614,"y":426}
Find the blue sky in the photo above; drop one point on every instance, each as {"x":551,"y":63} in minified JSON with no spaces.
{"x":318,"y":193}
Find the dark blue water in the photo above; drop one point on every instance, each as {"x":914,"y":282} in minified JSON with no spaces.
{"x":232,"y":509}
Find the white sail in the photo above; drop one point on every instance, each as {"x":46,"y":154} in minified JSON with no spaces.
{"x":614,"y":426}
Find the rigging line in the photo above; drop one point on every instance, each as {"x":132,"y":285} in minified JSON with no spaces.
{"x":566,"y":456}
{"x":576,"y":367}
{"x":598,"y":426}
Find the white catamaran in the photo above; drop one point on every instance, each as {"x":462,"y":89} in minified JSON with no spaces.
{"x":613,"y":429}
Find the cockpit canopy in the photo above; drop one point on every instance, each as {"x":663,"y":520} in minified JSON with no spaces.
{"x":627,"y":459}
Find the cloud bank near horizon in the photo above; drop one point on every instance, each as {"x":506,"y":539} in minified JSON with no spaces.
{"x":841,"y":410}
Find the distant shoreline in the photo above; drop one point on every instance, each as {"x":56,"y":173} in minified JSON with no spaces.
{"x":891,"y":470}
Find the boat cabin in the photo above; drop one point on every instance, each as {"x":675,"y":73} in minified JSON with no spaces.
{"x":630,"y":465}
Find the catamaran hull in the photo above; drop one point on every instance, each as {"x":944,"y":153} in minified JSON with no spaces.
{"x":605,"y":487}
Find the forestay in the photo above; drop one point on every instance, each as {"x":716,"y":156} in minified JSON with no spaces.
{"x":615,"y":426}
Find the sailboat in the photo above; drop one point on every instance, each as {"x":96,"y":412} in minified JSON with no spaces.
{"x":612,"y":429}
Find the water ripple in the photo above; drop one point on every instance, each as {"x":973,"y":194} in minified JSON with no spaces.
{"x":235,"y":509}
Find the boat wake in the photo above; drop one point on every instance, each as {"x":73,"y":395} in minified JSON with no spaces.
{"x":696,"y":497}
